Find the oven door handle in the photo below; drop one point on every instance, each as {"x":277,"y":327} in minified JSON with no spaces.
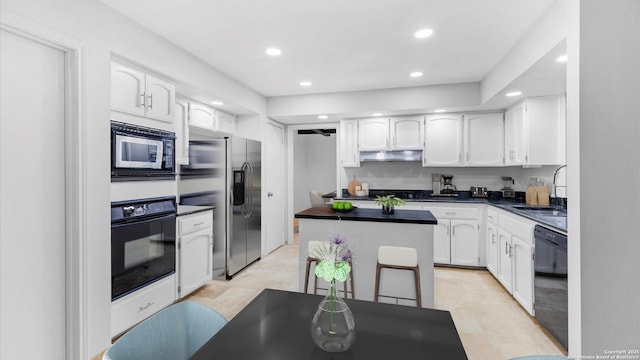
{"x":132,"y":221}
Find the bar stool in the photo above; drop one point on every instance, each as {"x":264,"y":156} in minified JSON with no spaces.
{"x":399,"y":258}
{"x":315,"y":261}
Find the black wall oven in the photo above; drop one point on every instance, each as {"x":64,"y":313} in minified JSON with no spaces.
{"x":143,"y":243}
{"x":141,"y":153}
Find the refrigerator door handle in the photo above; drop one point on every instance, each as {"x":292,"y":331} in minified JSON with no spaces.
{"x":249,"y":190}
{"x":245,"y":205}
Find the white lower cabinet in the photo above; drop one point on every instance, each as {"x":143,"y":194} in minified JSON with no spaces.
{"x":492,"y":248}
{"x":131,"y":309}
{"x":515,"y":268}
{"x":455,"y":237}
{"x":195,"y":251}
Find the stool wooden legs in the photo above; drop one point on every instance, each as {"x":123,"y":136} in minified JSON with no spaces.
{"x":416,"y":276}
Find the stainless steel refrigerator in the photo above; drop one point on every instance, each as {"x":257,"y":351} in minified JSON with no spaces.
{"x":243,"y":217}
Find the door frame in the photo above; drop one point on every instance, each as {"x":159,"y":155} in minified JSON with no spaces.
{"x":291,"y":132}
{"x":284,"y":166}
{"x":76,"y":321}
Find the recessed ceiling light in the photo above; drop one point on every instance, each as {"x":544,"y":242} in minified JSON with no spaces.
{"x":322,"y":117}
{"x":416,"y":74}
{"x":377,"y":114}
{"x":218,"y":103}
{"x":439,"y":110}
{"x":273,"y":51}
{"x":513,"y":93}
{"x":305,"y":83}
{"x":423,"y":33}
{"x":562,"y":58}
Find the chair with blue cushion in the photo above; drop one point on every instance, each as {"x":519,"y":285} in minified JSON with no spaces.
{"x":541,"y":357}
{"x":174,"y":333}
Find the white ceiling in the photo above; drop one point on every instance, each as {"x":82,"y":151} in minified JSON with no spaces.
{"x":341,"y":45}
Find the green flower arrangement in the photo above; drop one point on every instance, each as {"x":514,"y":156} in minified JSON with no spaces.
{"x":334,"y":257}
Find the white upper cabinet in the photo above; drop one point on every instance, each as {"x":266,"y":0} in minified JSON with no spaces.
{"x":137,"y":93}
{"x":443,"y":140}
{"x":373,"y":134}
{"x":484,"y":138}
{"x":546,"y":130}
{"x":182,"y":132}
{"x":535,"y":132}
{"x":349,"y":143}
{"x":160,"y":98}
{"x":407,"y":133}
{"x":225,"y":122}
{"x":515,"y":135}
{"x":201,"y":116}
{"x":127,"y":90}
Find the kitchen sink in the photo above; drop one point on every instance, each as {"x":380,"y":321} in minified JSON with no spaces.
{"x":541,"y":210}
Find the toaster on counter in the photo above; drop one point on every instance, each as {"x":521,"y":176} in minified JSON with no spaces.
{"x":478,"y":191}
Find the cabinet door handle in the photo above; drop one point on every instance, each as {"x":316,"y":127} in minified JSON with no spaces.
{"x":506,"y":248}
{"x":459,"y":157}
{"x":143,"y":100}
{"x":145,"y":307}
{"x":467,"y":157}
{"x":150,"y":101}
{"x":493,"y":238}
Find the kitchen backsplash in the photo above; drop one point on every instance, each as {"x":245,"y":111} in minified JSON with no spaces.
{"x":409,"y":175}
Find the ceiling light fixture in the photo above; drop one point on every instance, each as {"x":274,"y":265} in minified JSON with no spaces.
{"x":273,"y":51}
{"x":305,"y":83}
{"x":440,"y":110}
{"x":322,"y":117}
{"x":416,"y":74}
{"x":423,"y":33}
{"x":513,"y":93}
{"x":218,"y":103}
{"x":377,"y":114}
{"x":562,"y":58}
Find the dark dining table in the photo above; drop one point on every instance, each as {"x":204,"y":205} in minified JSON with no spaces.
{"x":276,"y":325}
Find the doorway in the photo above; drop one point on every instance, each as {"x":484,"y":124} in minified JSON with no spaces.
{"x":314,"y":159}
{"x":42,"y":207}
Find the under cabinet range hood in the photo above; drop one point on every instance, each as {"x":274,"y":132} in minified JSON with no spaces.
{"x":392,"y":155}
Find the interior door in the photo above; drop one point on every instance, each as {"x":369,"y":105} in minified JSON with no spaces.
{"x":32,"y":179}
{"x":274,"y":224}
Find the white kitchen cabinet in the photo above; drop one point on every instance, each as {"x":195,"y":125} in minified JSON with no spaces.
{"x":195,"y":251}
{"x":455,"y":237}
{"x":349,"y":143}
{"x":407,"y":133}
{"x":535,"y":132}
{"x":224,"y":122}
{"x":182,"y":131}
{"x":397,"y":133}
{"x":373,"y":134}
{"x":484,"y":139}
{"x":443,"y":140}
{"x":139,"y":305}
{"x":138,"y":93}
{"x":523,"y":272}
{"x":515,"y":261}
{"x":201,"y":116}
{"x":515,"y":138}
{"x":464,"y":243}
{"x":504,"y":260}
{"x":492,"y":248}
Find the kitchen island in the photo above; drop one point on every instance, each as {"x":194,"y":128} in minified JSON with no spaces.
{"x":365,"y":230}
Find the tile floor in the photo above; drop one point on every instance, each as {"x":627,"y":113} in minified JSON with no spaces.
{"x":492,"y":325}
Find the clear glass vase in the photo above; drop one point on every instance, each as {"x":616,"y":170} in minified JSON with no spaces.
{"x":333,"y":327}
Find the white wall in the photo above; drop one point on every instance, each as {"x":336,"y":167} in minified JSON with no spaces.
{"x":412,"y":176}
{"x":103,"y":31}
{"x":604,"y":245}
{"x":314,"y":168}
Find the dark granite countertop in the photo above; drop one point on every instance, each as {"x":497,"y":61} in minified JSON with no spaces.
{"x":399,"y":216}
{"x":554,"y":220}
{"x":192,"y":209}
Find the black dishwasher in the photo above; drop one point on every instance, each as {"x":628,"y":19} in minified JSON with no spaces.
{"x":551,"y":304}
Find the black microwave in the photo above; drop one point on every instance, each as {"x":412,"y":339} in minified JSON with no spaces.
{"x":141,"y":153}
